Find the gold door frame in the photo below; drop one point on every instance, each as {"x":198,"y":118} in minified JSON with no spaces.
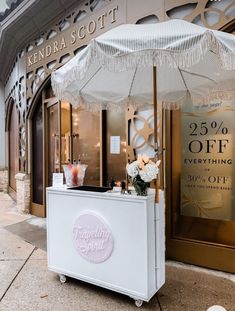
{"x":46,"y":104}
{"x":38,"y":209}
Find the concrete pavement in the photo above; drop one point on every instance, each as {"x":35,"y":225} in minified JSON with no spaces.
{"x":26,"y":284}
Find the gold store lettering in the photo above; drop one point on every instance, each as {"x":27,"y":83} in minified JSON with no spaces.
{"x":55,"y":47}
{"x":101,"y":20}
{"x":80,"y":33}
{"x":113,"y":14}
{"x":93,"y":25}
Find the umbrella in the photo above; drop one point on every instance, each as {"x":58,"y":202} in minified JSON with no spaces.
{"x":115,"y":69}
{"x":120,"y":68}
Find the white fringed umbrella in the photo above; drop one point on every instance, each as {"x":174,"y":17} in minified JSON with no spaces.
{"x":120,"y":68}
{"x":115,"y":69}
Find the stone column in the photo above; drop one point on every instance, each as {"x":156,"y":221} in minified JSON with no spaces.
{"x":3,"y":160}
{"x":23,"y":192}
{"x":4,"y":179}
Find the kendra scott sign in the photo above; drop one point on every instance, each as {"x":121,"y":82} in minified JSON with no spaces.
{"x":207,"y":165}
{"x":77,"y":35}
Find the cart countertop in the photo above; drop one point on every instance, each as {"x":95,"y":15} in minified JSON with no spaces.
{"x":108,"y":195}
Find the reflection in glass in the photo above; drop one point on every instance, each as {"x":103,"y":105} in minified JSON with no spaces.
{"x":65,"y":133}
{"x":86,"y":143}
{"x":53,"y":142}
{"x":115,"y":162}
{"x":37,"y":156}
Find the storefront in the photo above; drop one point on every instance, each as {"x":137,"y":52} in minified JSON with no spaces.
{"x":62,"y":134}
{"x":199,"y":145}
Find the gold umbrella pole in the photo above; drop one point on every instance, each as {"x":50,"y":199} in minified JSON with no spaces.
{"x":155,"y":124}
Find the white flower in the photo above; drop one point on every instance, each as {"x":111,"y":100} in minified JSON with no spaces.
{"x":143,"y":167}
{"x":144,"y":176}
{"x":132,"y":169}
{"x":149,"y":173}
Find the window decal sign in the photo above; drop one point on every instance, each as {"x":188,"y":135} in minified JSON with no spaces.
{"x":207,"y":163}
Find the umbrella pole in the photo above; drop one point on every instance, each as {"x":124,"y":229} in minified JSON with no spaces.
{"x":155,"y":123}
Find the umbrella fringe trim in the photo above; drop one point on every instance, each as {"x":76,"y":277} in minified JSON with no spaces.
{"x":199,"y":101}
{"x":80,"y":102}
{"x":145,"y":58}
{"x":157,"y":57}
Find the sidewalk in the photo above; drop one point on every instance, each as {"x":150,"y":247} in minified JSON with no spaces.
{"x":26,"y":284}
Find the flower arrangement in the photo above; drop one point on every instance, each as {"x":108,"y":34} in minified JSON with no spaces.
{"x":142,"y":171}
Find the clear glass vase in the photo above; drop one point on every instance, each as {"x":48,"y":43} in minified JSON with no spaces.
{"x":141,"y":187}
{"x":74,"y":174}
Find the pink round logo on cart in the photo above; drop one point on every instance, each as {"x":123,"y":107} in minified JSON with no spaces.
{"x":92,"y":238}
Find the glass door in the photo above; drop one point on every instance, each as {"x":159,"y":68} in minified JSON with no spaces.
{"x":37,"y":204}
{"x":86,"y":143}
{"x":53,"y":142}
{"x":115,"y":151}
{"x":65,"y":134}
{"x":73,"y":135}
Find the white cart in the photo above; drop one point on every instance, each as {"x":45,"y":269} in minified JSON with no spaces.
{"x":108,"y":239}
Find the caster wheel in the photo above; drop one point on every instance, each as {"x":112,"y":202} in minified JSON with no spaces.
{"x":138,"y":303}
{"x":62,"y":278}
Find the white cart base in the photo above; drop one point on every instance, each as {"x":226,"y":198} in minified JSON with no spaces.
{"x":136,"y":266}
{"x":63,"y":279}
